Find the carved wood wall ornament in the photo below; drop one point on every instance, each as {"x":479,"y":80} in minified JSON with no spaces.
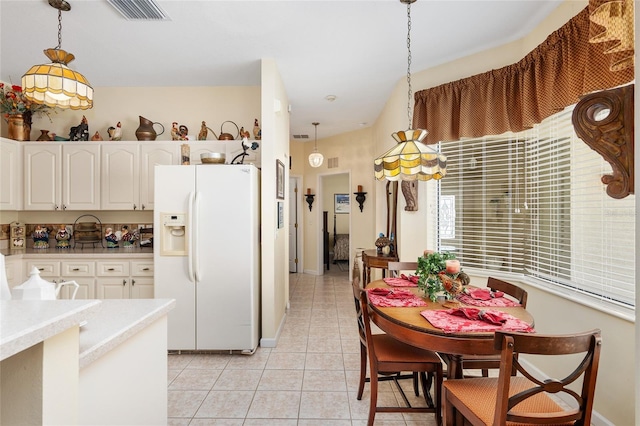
{"x":410,"y":192}
{"x":610,"y":136}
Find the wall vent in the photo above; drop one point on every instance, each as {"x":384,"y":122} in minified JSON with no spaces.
{"x":332,"y":163}
{"x":139,"y":10}
{"x":301,"y":136}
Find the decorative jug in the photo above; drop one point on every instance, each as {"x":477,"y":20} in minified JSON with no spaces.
{"x":35,"y":288}
{"x":146,"y":132}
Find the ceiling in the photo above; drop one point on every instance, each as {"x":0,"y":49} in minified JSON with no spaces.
{"x":355,"y":50}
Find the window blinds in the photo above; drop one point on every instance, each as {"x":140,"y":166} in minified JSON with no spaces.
{"x":533,"y":203}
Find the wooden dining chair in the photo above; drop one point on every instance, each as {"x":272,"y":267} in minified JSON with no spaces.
{"x":388,"y":357}
{"x":490,"y":362}
{"x":523,"y":398}
{"x":395,"y":268}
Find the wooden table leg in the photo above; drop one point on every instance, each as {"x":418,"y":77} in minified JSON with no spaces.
{"x":455,"y":367}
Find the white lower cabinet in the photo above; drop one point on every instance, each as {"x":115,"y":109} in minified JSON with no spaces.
{"x":124,"y":280}
{"x":97,"y":279}
{"x":14,"y":270}
{"x":57,"y":272}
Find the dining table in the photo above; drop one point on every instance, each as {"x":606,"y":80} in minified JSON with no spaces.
{"x":409,"y":324}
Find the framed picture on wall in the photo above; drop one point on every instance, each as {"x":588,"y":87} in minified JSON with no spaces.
{"x":280,"y":214}
{"x":341,"y":203}
{"x":279,"y":180}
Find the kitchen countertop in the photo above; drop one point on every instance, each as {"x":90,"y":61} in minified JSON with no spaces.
{"x":31,"y":253}
{"x":115,"y":321}
{"x":25,"y":323}
{"x":109,"y":323}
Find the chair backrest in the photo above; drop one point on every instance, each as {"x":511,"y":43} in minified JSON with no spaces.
{"x":395,"y":267}
{"x":357,"y":293}
{"x":511,"y":344}
{"x":512,"y":290}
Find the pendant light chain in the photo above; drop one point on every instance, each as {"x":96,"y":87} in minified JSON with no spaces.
{"x":409,"y":93}
{"x":59,"y":29}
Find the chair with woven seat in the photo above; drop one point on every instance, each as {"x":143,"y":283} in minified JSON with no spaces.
{"x":487,"y":362}
{"x":387,"y":358}
{"x":524,"y":398}
{"x":396,"y":268}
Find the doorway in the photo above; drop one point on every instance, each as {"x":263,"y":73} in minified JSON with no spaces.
{"x":334,"y":241}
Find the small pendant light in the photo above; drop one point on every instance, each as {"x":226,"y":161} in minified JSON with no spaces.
{"x":315,"y":158}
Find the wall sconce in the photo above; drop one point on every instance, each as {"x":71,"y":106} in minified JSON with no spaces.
{"x":360,"y":197}
{"x":310,"y":198}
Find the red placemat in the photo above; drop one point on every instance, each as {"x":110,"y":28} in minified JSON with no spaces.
{"x":495,"y":301}
{"x":449,"y":323}
{"x":386,"y":297}
{"x":399,"y":282}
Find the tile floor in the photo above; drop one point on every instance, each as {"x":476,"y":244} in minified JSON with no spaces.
{"x":311,"y":378}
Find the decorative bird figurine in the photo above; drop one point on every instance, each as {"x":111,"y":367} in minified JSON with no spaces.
{"x":175,"y":132}
{"x":96,"y":137}
{"x":204,"y":131}
{"x":244,"y":133}
{"x":453,"y":286}
{"x":115,"y":133}
{"x":257,"y":132}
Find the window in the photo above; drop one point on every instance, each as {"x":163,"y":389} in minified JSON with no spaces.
{"x":532,"y":203}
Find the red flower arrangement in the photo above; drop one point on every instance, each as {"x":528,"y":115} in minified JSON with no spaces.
{"x":13,"y":101}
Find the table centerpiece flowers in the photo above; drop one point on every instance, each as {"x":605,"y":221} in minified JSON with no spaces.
{"x":18,"y":110}
{"x":440,"y":274}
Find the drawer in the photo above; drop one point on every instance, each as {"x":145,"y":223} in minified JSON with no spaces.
{"x":113,"y":269}
{"x":47,"y":268}
{"x":78,"y":269}
{"x":141,"y":268}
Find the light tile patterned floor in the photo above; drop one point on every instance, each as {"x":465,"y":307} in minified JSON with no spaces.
{"x":310,"y":379}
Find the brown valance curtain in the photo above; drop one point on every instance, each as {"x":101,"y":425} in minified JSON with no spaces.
{"x":554,"y":75}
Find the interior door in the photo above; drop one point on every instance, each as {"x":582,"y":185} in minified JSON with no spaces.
{"x":293,"y":224}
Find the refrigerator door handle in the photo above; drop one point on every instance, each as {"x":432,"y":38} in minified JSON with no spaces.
{"x":190,"y":248}
{"x":194,"y":233}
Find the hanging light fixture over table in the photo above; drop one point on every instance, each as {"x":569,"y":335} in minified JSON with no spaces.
{"x":410,"y":159}
{"x":55,"y":84}
{"x":315,"y":158}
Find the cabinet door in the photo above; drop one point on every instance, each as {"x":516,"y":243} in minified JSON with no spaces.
{"x":15,"y":274}
{"x":141,"y":288}
{"x":42,"y":177}
{"x":120,"y":177}
{"x":197,"y":148}
{"x":150,"y":156}
{"x":112,"y":288}
{"x":81,"y":177}
{"x":86,"y":289}
{"x":10,"y":175}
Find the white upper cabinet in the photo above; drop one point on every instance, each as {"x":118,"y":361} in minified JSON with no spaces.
{"x":150,"y":156}
{"x":120,"y":189}
{"x":61,"y":176}
{"x":10,"y":175}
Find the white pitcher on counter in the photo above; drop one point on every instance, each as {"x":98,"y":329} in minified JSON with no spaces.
{"x":36,"y":288}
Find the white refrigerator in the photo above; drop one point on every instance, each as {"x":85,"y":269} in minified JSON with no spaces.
{"x":206,"y":252}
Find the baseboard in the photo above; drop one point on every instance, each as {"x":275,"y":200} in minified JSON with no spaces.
{"x":272,"y":342}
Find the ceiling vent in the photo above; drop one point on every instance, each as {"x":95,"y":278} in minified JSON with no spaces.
{"x":301,"y":136}
{"x":139,"y":10}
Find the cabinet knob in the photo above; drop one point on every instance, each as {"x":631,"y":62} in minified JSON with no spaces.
{"x":145,"y":269}
{"x":55,"y":207}
{"x":143,"y":207}
{"x":75,"y":269}
{"x":135,"y":207}
{"x":111,"y":269}
{"x":64,"y":207}
{"x":40,"y":269}
{"x":133,"y":282}
{"x":124,"y":282}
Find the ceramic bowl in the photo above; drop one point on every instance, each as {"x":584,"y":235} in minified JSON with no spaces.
{"x":212,"y":158}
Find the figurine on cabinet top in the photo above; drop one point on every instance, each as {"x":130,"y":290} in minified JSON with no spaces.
{"x":40,"y":237}
{"x":81,"y":131}
{"x":96,"y":137}
{"x":204,"y":131}
{"x":257,"y":131}
{"x":115,"y":133}
{"x":244,"y":134}
{"x":175,"y":132}
{"x":62,"y":237}
{"x":111,"y":238}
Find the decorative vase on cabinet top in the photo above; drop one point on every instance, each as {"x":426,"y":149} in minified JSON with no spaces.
{"x":146,"y":132}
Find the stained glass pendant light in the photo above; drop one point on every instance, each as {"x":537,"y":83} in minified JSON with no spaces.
{"x":410,"y":159}
{"x":54,"y":84}
{"x":315,"y":158}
